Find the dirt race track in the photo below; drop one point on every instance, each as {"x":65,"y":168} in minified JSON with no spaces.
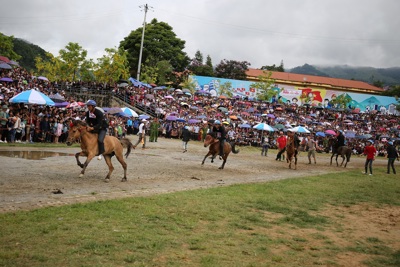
{"x":161,"y":168}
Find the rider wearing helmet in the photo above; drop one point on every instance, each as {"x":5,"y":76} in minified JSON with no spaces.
{"x":220,"y":133}
{"x":95,"y":121}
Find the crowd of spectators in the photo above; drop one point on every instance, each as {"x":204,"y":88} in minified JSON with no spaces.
{"x":176,"y":108}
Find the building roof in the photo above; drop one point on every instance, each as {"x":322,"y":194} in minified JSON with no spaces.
{"x":319,"y":81}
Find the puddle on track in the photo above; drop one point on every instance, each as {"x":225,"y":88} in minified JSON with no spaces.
{"x":32,"y":155}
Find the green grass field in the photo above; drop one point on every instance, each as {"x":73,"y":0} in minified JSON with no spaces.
{"x":283,"y":223}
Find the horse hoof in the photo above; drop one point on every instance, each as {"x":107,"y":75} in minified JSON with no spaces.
{"x":124,"y":179}
{"x":80,"y":175}
{"x":107,"y":180}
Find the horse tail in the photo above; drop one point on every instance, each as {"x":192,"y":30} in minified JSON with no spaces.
{"x":234,"y":151}
{"x":127,"y":144}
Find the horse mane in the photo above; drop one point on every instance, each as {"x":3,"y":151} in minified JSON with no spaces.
{"x":79,"y":123}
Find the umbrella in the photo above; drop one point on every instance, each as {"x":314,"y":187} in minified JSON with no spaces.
{"x":245,"y":125}
{"x":223,"y":109}
{"x":61,"y":104}
{"x":300,"y":129}
{"x":180,"y":120}
{"x":150,"y":96}
{"x":202,"y":92}
{"x":322,"y":134}
{"x":193,"y":121}
{"x":124,"y":84}
{"x":168,"y":97}
{"x":130,"y":112}
{"x":114,"y":110}
{"x":159,"y":88}
{"x":57,"y":98}
{"x":6,"y":79}
{"x":32,"y":97}
{"x":350,"y":134}
{"x":5,"y":59}
{"x":330,"y":132}
{"x":171,"y":118}
{"x":42,"y":78}
{"x":270,"y":116}
{"x":143,"y":117}
{"x":185,"y":90}
{"x":5,"y":66}
{"x":75,"y":104}
{"x":279,"y":126}
{"x":202,"y":117}
{"x":263,"y":127}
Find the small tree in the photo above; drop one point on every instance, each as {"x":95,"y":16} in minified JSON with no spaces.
{"x":225,"y":89}
{"x":264,"y":86}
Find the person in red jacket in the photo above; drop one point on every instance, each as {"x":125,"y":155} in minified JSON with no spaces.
{"x":370,"y":151}
{"x":281,"y":141}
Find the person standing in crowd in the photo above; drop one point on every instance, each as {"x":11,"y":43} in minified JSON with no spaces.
{"x":129,"y":124}
{"x":281,"y":141}
{"x":220,"y":132}
{"x":311,"y":147}
{"x":142,"y":134}
{"x":370,"y":151}
{"x":154,"y":126}
{"x":97,"y":124}
{"x":392,"y":155}
{"x":264,"y":145}
{"x":3,"y":123}
{"x":185,"y":138}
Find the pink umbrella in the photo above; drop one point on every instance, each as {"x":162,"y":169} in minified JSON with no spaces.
{"x":75,"y":105}
{"x":331,"y":132}
{"x":168,"y":97}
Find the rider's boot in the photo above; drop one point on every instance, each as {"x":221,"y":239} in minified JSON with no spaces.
{"x":101,"y":150}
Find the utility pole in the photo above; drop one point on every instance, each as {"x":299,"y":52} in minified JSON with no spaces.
{"x":145,"y":7}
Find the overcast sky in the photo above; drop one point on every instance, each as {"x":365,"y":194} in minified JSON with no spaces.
{"x":262,"y":32}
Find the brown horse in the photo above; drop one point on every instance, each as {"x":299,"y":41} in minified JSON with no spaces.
{"x":213,"y":150}
{"x":291,"y":152}
{"x":89,"y":146}
{"x":344,"y":151}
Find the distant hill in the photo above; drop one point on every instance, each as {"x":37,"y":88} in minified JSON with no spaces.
{"x":389,"y":76}
{"x":29,"y":52}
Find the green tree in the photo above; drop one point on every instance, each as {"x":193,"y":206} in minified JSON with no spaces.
{"x":197,"y":66}
{"x":73,"y":57}
{"x":52,"y":68}
{"x":111,"y":67}
{"x":164,"y":70}
{"x":225,"y":89}
{"x":7,"y":47}
{"x":189,"y":83}
{"x":232,"y":69}
{"x":393,"y":91}
{"x":160,"y":43}
{"x":264,"y":86}
{"x":279,"y":68}
{"x":342,"y":101}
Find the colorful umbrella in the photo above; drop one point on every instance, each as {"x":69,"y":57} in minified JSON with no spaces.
{"x":130,"y":112}
{"x":300,"y":129}
{"x":330,"y":132}
{"x":32,"y":97}
{"x":263,"y":127}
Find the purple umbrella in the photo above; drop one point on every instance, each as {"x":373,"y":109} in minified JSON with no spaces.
{"x":6,"y":79}
{"x":5,"y":66}
{"x":193,"y":121}
{"x":171,"y":118}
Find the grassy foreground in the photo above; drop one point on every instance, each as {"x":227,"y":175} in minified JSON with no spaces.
{"x":282,"y":223}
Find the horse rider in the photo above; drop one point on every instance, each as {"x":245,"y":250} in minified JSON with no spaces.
{"x":220,"y":132}
{"x":340,"y":139}
{"x":97,"y":124}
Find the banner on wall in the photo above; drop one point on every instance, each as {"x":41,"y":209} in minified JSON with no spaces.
{"x":300,"y":95}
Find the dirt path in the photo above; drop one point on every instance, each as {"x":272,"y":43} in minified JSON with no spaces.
{"x":29,"y":184}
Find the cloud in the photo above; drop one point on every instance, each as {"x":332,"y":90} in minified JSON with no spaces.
{"x":262,"y":32}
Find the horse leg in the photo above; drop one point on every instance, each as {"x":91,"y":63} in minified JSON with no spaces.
{"x":121,"y":160}
{"x":343,"y":158}
{"x":337,"y":163}
{"x":77,"y":158}
{"x":208,"y":154}
{"x":88,"y":159}
{"x":295,"y":162}
{"x":332,"y":157}
{"x":223,"y":163}
{"x":110,"y":167}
